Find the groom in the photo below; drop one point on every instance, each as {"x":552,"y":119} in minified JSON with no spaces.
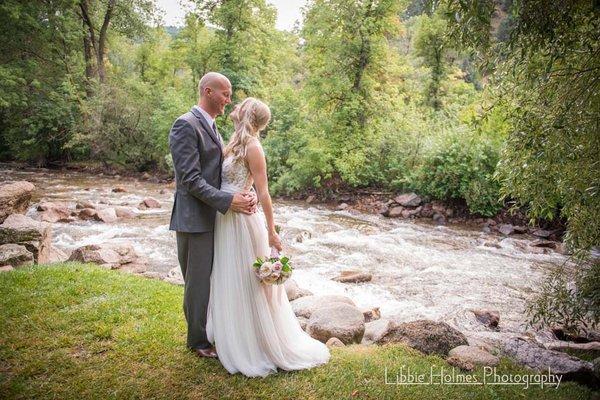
{"x":196,"y":148}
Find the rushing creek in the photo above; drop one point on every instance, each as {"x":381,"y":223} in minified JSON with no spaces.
{"x":419,"y":270}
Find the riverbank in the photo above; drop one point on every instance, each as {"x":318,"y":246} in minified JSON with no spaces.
{"x":375,"y":201}
{"x":75,"y":331}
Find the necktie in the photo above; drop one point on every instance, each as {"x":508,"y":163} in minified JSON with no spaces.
{"x":214,"y":127}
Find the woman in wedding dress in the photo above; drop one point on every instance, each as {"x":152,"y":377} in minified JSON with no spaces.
{"x":252,"y":324}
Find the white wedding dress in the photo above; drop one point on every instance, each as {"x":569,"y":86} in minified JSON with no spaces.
{"x":252,"y":325}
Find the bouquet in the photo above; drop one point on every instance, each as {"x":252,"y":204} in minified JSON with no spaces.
{"x":273,"y":270}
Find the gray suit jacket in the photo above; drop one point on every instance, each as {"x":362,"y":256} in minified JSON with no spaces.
{"x":197,"y":160}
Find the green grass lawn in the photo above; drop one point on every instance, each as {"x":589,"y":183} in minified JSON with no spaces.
{"x":75,"y":331}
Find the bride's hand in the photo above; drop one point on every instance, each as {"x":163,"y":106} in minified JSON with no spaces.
{"x":275,"y":241}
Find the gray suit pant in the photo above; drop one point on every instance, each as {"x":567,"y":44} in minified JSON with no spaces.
{"x":195,"y":253}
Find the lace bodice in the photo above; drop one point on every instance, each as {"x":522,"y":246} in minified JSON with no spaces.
{"x":235,"y":176}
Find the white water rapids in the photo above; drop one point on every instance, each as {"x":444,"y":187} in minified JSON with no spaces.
{"x":419,"y":270}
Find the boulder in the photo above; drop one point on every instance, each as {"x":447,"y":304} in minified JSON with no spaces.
{"x":371,"y":314}
{"x":15,"y":255}
{"x":85,"y":204}
{"x":429,"y":337}
{"x":528,"y":353}
{"x":353,"y":277}
{"x":439,"y":219}
{"x":375,"y":330}
{"x":57,"y":255}
{"x":542,"y":233}
{"x":506,"y":229}
{"x":427,"y":211}
{"x":343,"y":321}
{"x":15,"y":198}
{"x":474,"y":355}
{"x":460,"y":363}
{"x":114,"y":256}
{"x":293,"y":291}
{"x":395,"y":212}
{"x":107,"y":215}
{"x":6,"y":268}
{"x":149,"y":203}
{"x":489,"y":318}
{"x":34,"y":235}
{"x":408,"y":200}
{"x":335,"y":342}
{"x":125,"y":212}
{"x":88,"y":214}
{"x":305,"y":306}
{"x":54,"y":212}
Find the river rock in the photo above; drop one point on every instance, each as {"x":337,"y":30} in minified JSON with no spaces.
{"x":107,"y":215}
{"x":429,"y":337}
{"x":353,"y":277}
{"x":427,"y":211}
{"x":339,"y":320}
{"x":15,"y":255}
{"x":335,"y":342}
{"x":149,"y":203}
{"x":375,"y":330}
{"x":6,"y":268}
{"x":310,"y":199}
{"x":342,"y":206}
{"x":544,"y":243}
{"x":439,"y":219}
{"x":54,"y":212}
{"x":489,"y":318}
{"x":395,"y":212}
{"x":408,"y":200}
{"x":34,"y":235}
{"x":119,"y":189}
{"x":293,"y":291}
{"x":305,"y":306}
{"x":371,"y":314}
{"x":542,"y":233}
{"x":528,"y":353}
{"x":460,"y":363}
{"x":125,"y":212}
{"x":302,"y":321}
{"x":114,"y":256}
{"x":85,"y":204}
{"x":174,"y":276}
{"x":15,"y":198}
{"x":506,"y":229}
{"x":474,"y":355}
{"x":57,"y":255}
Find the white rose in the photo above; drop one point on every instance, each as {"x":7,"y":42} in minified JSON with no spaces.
{"x":265,"y":269}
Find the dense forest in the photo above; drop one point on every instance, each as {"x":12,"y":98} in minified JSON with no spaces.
{"x":491,"y":103}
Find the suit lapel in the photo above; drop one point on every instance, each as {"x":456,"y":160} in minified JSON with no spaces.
{"x":207,"y":128}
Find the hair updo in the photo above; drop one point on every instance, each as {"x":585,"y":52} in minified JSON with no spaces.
{"x":249,"y":118}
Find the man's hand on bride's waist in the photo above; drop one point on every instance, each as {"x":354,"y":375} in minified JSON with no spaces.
{"x":244,"y":202}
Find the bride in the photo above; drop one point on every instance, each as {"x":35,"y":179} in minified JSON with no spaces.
{"x":251,"y":324}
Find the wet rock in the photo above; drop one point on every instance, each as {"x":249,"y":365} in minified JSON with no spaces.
{"x":439,"y":219}
{"x":449,"y":212}
{"x":6,"y":268}
{"x":375,"y":330}
{"x":85,"y":204}
{"x":544,"y":243}
{"x":149,"y":203}
{"x":487,"y":229}
{"x":54,"y":212}
{"x":124,"y":212}
{"x":489,"y":318}
{"x":353,"y":277}
{"x":520,"y":229}
{"x":395,"y":212}
{"x":302,"y":236}
{"x":335,"y":342}
{"x":15,"y":255}
{"x":88,"y":214}
{"x":293,"y":291}
{"x":506,"y":229}
{"x":34,"y":235}
{"x":534,"y":356}
{"x":119,"y":189}
{"x":474,"y":355}
{"x":408,"y":200}
{"x":15,"y":198}
{"x":310,"y":199}
{"x":114,"y":256}
{"x":371,"y":314}
{"x":342,"y":207}
{"x":429,"y":337}
{"x":427,"y":211}
{"x":305,"y":306}
{"x":340,"y":320}
{"x":107,"y":215}
{"x":542,"y":233}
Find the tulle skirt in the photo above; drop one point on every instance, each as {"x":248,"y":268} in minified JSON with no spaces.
{"x":251,"y":324}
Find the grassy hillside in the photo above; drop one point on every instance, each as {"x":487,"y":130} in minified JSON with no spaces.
{"x":73,"y":331}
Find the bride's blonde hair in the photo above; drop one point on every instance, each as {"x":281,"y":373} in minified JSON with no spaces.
{"x":249,"y":118}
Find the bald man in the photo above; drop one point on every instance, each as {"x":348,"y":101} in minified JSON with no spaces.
{"x":196,"y":148}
